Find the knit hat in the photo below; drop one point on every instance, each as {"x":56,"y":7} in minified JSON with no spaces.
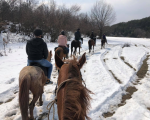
{"x":38,"y":32}
{"x":62,"y":33}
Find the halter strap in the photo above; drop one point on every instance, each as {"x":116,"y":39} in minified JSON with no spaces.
{"x":55,"y":99}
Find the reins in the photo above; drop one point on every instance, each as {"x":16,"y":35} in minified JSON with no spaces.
{"x":51,"y":104}
{"x":55,"y":99}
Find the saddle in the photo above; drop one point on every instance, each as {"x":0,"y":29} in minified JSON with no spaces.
{"x":63,"y":47}
{"x":45,"y":69}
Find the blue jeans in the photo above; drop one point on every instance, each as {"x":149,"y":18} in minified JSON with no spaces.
{"x":44,"y":63}
{"x":67,"y":50}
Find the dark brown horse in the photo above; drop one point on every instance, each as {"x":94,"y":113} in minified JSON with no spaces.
{"x":91,"y":43}
{"x":75,"y":44}
{"x":103,"y":41}
{"x":31,"y":78}
{"x":73,"y":99}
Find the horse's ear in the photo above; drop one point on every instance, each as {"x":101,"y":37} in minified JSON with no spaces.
{"x":82,"y":61}
{"x":58,"y":61}
{"x":50,"y":53}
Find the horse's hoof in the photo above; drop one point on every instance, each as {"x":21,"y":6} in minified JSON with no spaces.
{"x":41,"y":103}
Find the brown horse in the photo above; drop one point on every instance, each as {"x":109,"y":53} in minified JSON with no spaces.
{"x":72,"y":98}
{"x":60,"y":52}
{"x":103,"y":41}
{"x":91,"y":43}
{"x":31,"y":78}
{"x":75,"y":44}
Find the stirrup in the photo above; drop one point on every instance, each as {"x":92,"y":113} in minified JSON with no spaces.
{"x":49,"y":82}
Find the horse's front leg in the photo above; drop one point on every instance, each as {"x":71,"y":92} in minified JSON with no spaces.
{"x":75,"y":50}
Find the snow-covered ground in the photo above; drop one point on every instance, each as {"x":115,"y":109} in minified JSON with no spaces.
{"x":106,"y":74}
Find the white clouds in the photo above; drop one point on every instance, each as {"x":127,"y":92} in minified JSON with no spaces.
{"x":130,"y":9}
{"x":126,"y":10}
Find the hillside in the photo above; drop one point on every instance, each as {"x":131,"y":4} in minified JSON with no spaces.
{"x":134,"y":28}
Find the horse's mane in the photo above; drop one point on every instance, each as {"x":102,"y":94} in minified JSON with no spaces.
{"x":77,"y":96}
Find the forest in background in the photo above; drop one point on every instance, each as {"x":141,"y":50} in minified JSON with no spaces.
{"x":134,"y":28}
{"x":23,"y":16}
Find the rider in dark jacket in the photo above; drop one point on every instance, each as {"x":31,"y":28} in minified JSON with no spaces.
{"x":92,"y":36}
{"x":104,"y":37}
{"x":37,"y":51}
{"x":78,"y":36}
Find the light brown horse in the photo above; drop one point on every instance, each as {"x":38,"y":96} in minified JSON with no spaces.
{"x":31,"y":78}
{"x":91,"y":43}
{"x":73,"y":99}
{"x":60,"y":52}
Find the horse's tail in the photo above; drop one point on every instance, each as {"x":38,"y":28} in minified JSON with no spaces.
{"x":24,"y":97}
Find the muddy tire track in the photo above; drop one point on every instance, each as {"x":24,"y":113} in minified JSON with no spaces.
{"x":131,"y":89}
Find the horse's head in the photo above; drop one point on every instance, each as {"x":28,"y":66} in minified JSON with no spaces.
{"x":70,"y":68}
{"x":73,"y":99}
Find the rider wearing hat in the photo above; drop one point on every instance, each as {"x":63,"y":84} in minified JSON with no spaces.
{"x":37,"y":51}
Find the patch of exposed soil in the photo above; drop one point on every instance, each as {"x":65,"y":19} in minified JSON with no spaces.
{"x":108,"y":114}
{"x":148,"y":108}
{"x":127,"y":63}
{"x":143,"y":70}
{"x":130,"y":90}
{"x":9,"y":100}
{"x":115,"y":77}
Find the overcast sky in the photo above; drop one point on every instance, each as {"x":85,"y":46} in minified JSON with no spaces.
{"x":125,"y":10}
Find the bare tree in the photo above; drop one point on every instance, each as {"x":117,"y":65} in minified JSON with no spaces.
{"x":102,"y":14}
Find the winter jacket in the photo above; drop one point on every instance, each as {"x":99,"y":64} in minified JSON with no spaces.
{"x":104,"y":37}
{"x":77,"y":35}
{"x":36,"y":49}
{"x":92,"y":35}
{"x":62,"y":40}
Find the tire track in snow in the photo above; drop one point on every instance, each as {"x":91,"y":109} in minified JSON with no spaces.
{"x":123,"y":72}
{"x":98,"y":77}
{"x":130,"y":89}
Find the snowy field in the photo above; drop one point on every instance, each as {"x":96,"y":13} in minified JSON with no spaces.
{"x":106,"y":74}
